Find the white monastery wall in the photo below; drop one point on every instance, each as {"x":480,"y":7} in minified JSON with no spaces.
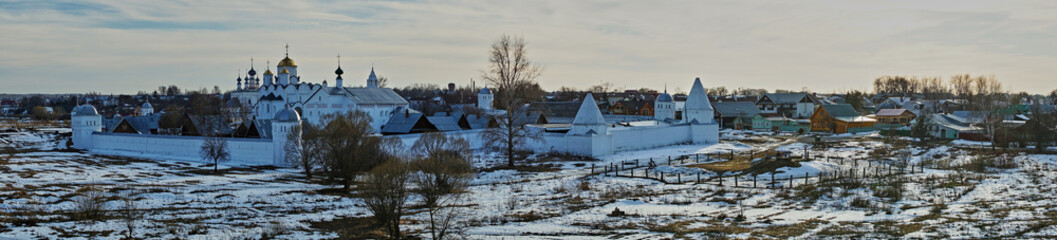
{"x":243,"y":150}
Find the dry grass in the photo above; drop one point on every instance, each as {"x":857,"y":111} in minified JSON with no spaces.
{"x":725,"y":166}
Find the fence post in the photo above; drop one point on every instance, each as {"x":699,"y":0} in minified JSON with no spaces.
{"x":679,"y":178}
{"x":772,"y":179}
{"x":790,"y":181}
{"x":697,"y":157}
{"x":735,"y":180}
{"x":669,"y":159}
{"x":592,"y":169}
{"x":699,"y":177}
{"x":807,"y":178}
{"x":753,"y":181}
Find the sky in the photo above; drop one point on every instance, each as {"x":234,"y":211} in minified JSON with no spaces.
{"x":113,"y":46}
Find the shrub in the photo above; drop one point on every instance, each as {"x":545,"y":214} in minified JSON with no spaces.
{"x":90,"y":204}
{"x":860,"y":203}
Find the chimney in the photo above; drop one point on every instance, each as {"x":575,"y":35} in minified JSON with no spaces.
{"x":407,"y":113}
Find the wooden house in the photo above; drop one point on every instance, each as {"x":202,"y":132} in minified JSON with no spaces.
{"x":632,"y":107}
{"x":894,"y":117}
{"x":840,"y":118}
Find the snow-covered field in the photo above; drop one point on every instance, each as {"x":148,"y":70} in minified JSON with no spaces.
{"x":953,"y":191}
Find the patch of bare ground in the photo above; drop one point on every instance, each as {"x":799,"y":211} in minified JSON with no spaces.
{"x":352,"y":228}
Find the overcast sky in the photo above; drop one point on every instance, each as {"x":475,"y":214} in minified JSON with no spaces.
{"x":128,"y":46}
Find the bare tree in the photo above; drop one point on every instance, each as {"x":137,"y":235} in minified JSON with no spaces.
{"x":443,"y":172}
{"x":511,"y":133}
{"x":384,"y":191}
{"x":90,"y":204}
{"x":920,"y":130}
{"x":130,"y":213}
{"x":1041,"y":128}
{"x":383,"y":81}
{"x":304,"y":148}
{"x":215,"y":148}
{"x":348,"y":146}
{"x":962,"y":86}
{"x":717,"y":91}
{"x":987,"y":94}
{"x":513,"y":76}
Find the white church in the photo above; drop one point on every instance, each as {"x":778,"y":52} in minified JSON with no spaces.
{"x":270,"y":93}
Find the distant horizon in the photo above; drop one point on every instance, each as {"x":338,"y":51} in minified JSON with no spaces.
{"x":122,"y":47}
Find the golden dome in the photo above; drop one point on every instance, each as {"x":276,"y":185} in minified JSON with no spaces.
{"x":268,"y":72}
{"x":283,"y":71}
{"x":287,"y":62}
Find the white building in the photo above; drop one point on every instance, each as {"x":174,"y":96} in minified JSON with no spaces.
{"x":271,"y":93}
{"x":484,"y":99}
{"x":664,"y":107}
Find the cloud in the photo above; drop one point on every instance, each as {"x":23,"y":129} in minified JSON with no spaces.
{"x":126,"y":46}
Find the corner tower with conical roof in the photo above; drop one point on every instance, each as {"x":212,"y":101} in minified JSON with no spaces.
{"x":698,"y":109}
{"x":589,"y":120}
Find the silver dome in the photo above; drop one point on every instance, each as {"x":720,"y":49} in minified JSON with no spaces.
{"x":85,"y":110}
{"x":287,"y":115}
{"x":664,"y":97}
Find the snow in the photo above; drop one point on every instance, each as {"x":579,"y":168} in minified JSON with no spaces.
{"x":568,"y":203}
{"x":964,"y":142}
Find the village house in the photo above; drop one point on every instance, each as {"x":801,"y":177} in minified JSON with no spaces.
{"x":782,"y":124}
{"x":950,"y":126}
{"x":840,"y":118}
{"x":894,"y":117}
{"x":794,"y":105}
{"x":635,"y":106}
{"x":893,"y":102}
{"x":735,"y":115}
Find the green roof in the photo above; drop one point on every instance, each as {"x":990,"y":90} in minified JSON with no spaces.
{"x":840,"y":110}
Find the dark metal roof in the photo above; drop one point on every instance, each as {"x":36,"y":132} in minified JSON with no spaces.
{"x":732,"y":109}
